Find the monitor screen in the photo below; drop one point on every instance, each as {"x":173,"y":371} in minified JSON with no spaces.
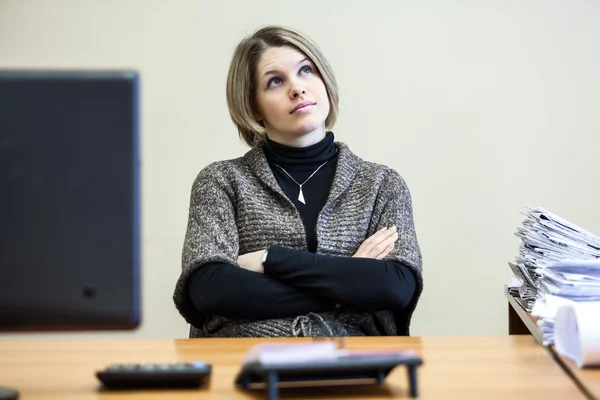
{"x":70,"y":201}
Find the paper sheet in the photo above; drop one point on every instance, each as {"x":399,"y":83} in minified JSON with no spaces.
{"x":577,"y":333}
{"x":277,"y":353}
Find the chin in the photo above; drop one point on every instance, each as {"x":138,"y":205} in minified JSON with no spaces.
{"x":303,"y":132}
{"x":305,"y":129}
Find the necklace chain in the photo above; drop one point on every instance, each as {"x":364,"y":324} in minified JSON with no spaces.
{"x":300,"y":194}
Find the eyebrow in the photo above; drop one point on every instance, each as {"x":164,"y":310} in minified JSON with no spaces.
{"x":274,"y":71}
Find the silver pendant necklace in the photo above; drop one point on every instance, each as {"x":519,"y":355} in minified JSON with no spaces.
{"x":300,"y":194}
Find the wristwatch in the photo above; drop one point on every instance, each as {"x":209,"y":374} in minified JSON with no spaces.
{"x":263,"y":260}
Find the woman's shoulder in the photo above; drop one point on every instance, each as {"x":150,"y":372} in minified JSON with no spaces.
{"x":390,"y":182}
{"x":371,"y":170}
{"x":228,"y":172}
{"x":382,"y":170}
{"x":220,"y":172}
{"x":220,"y":167}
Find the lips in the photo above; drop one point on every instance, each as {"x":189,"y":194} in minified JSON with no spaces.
{"x":302,"y":105}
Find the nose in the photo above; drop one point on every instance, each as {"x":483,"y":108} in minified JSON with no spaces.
{"x":297,"y":90}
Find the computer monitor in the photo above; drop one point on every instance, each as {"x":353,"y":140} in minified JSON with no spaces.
{"x":70,"y":202}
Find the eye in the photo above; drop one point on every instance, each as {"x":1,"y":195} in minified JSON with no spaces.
{"x":306,"y":70}
{"x":274,"y":81}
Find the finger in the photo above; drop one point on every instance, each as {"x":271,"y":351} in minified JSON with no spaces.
{"x":383,"y":247}
{"x":387,"y":251}
{"x":376,"y":236}
{"x":378,"y":249}
{"x":367,"y":248}
{"x":380,"y":236}
{"x":391,"y":231}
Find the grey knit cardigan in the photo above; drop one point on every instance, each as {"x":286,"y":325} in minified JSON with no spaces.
{"x":238,"y":207}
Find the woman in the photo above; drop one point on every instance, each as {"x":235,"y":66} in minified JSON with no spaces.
{"x":299,"y":237}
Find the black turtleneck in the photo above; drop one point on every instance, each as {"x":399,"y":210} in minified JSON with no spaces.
{"x":301,"y":163}
{"x":297,"y":282}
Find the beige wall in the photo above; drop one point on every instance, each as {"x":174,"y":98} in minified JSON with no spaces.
{"x":482,"y":106}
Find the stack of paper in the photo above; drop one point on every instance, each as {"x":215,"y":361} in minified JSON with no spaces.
{"x":558,"y":264}
{"x":577,"y":280}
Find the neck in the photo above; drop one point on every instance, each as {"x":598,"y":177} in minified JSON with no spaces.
{"x":288,"y":156}
{"x":302,"y":140}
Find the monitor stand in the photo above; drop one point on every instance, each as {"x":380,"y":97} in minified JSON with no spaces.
{"x":8,"y":394}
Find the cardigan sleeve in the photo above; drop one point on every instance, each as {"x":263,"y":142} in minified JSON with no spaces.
{"x":211,"y":235}
{"x":394,"y":207}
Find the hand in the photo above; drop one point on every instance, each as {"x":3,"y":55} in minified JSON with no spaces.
{"x":379,"y":244}
{"x":252,"y":261}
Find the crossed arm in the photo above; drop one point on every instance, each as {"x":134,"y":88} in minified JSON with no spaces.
{"x":295,"y":282}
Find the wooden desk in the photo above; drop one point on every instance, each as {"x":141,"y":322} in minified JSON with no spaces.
{"x":588,"y":380}
{"x":505,"y":367}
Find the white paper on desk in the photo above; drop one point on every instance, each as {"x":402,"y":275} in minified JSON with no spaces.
{"x":547,"y":307}
{"x":577,"y":333}
{"x":591,"y":264}
{"x":587,"y":279}
{"x":283,"y":353}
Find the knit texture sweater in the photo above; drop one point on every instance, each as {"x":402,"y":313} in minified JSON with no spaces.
{"x":237,"y":207}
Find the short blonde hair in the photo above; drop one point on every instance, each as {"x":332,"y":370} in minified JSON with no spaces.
{"x":241,"y":80}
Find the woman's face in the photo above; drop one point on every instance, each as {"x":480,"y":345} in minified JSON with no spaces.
{"x":292,"y":100}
